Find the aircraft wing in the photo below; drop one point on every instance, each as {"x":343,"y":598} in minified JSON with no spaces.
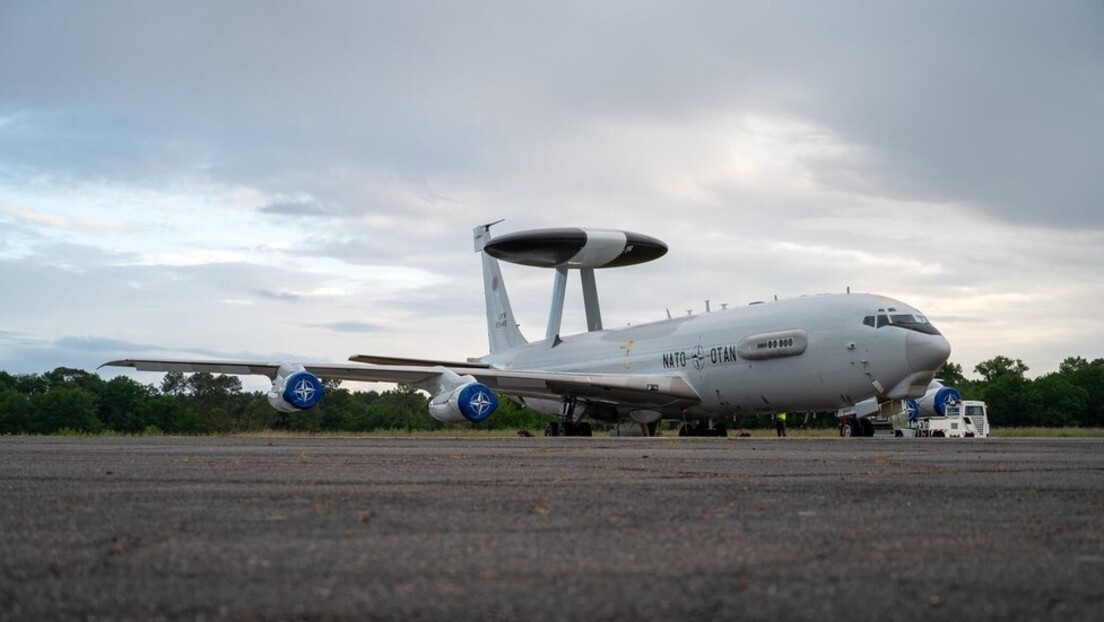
{"x":336,"y":371}
{"x":395,"y":360}
{"x":643,"y":390}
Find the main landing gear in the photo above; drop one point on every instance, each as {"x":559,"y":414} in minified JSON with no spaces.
{"x":702,"y":428}
{"x":569,"y":427}
{"x":851,"y":426}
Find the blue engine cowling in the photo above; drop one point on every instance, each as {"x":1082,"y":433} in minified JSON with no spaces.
{"x":472,"y":402}
{"x":934,"y":403}
{"x":295,"y":389}
{"x":913,"y":408}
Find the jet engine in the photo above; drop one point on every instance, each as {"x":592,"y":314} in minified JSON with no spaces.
{"x":472,"y":402}
{"x":934,"y":403}
{"x":294,"y":389}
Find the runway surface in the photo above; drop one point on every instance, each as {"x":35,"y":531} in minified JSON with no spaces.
{"x":551,"y":529}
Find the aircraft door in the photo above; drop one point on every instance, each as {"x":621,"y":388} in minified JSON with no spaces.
{"x":863,"y":352}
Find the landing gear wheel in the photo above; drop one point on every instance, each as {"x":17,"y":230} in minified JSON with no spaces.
{"x":849,"y":427}
{"x":702,"y":430}
{"x":867,"y":427}
{"x":552,"y":429}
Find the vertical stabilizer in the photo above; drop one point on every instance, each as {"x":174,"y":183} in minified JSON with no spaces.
{"x":502,"y":330}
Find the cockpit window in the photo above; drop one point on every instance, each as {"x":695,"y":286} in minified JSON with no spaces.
{"x":909,"y":321}
{"x":908,"y":318}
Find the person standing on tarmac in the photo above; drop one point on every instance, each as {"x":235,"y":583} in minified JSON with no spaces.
{"x":780,"y":423}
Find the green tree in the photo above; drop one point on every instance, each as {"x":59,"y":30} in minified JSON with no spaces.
{"x":257,"y":415}
{"x":217,"y":398}
{"x":952,"y":376}
{"x":15,"y":412}
{"x":1059,"y":401}
{"x":1001,"y":366}
{"x":31,"y":384}
{"x":338,"y":409}
{"x":1090,"y":377}
{"x":1005,"y":389}
{"x":510,"y":415}
{"x":174,"y":383}
{"x":401,"y":408}
{"x":120,"y":401}
{"x":70,"y":377}
{"x":168,"y":414}
{"x":65,"y":407}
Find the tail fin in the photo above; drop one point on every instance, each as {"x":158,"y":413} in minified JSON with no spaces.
{"x":502,"y":329}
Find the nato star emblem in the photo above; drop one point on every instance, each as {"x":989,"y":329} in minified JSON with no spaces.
{"x":304,"y":390}
{"x":480,"y":403}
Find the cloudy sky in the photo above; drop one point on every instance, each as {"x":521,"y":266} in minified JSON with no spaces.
{"x":300,"y":179}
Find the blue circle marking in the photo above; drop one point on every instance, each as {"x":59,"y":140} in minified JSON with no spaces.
{"x":476,"y":402}
{"x":943,"y":397}
{"x":303,"y":390}
{"x":913,"y":409}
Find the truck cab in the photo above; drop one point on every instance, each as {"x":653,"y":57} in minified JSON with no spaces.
{"x":973,"y":411}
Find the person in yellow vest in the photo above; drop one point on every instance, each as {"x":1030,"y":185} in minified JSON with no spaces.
{"x":780,"y":423}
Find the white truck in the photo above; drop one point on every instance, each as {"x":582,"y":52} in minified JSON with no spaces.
{"x":973,"y":414}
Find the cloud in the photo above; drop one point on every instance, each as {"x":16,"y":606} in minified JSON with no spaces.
{"x":100,"y":344}
{"x":293,"y":208}
{"x":350,"y":327}
{"x":945,"y":114}
{"x":278,"y":296}
{"x":59,"y":221}
{"x":338,"y":156}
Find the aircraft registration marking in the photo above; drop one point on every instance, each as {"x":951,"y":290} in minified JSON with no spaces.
{"x":699,"y":356}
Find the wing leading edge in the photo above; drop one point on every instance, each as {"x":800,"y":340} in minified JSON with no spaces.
{"x":662,"y":391}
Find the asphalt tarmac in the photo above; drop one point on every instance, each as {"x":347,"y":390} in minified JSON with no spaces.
{"x":551,"y":529}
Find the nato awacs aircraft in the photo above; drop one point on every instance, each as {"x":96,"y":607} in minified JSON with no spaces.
{"x":814,"y":353}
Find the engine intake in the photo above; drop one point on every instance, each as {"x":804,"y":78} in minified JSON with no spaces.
{"x":294,"y":389}
{"x":472,"y":402}
{"x":934,"y":403}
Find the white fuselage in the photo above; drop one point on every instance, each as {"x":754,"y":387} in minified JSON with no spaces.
{"x":803,"y":354}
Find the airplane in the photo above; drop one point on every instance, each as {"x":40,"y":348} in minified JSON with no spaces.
{"x":812,"y":353}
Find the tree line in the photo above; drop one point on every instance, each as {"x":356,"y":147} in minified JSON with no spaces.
{"x":68,"y":400}
{"x":1071,"y":396}
{"x":74,"y":400}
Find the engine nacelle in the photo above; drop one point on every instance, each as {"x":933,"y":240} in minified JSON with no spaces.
{"x":934,"y":403}
{"x":294,"y":389}
{"x":472,"y":402}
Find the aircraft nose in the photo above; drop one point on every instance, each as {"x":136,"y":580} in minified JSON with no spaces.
{"x":927,"y":352}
